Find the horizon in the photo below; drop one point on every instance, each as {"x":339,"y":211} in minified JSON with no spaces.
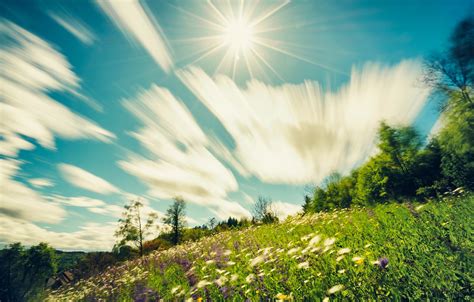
{"x":208,"y":101}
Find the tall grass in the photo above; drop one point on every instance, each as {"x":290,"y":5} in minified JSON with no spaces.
{"x":392,"y":252}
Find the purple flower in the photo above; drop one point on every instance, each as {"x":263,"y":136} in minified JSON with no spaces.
{"x":383,"y":262}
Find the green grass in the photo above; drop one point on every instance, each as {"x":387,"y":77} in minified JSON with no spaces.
{"x":429,"y":248}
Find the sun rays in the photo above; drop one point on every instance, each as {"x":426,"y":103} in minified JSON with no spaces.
{"x":241,"y":37}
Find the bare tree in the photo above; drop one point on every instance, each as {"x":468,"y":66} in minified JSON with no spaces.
{"x":212,"y":223}
{"x":453,"y":71}
{"x":133,"y":227}
{"x":175,"y":218}
{"x":263,"y":210}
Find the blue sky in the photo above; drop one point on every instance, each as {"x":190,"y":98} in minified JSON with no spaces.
{"x":217,"y":102}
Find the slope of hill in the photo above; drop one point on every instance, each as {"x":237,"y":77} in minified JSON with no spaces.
{"x":391,"y":251}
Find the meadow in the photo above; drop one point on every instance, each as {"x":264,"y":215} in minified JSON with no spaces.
{"x":395,"y":251}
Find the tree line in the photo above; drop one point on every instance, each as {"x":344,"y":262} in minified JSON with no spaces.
{"x":406,"y":166}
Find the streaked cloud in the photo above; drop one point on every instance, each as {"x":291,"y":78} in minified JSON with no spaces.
{"x":41,"y":182}
{"x":74,"y":26}
{"x":285,"y":209}
{"x":179,"y":162}
{"x":89,"y":237}
{"x":299,"y":133}
{"x":137,"y":22}
{"x":85,"y":180}
{"x":31,"y":69}
{"x":20,"y":202}
{"x":224,"y":209}
{"x":78,"y":201}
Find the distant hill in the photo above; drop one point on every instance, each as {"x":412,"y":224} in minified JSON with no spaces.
{"x":390,"y":251}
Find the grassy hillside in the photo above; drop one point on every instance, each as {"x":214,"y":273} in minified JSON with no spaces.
{"x":392,"y":251}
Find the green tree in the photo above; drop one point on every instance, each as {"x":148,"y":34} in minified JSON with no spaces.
{"x":372,"y":181}
{"x":176,"y":220}
{"x":133,"y":228}
{"x":23,"y":273}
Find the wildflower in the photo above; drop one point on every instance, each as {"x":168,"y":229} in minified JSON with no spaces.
{"x":329,"y":241}
{"x":358,"y":260}
{"x":293,"y":250}
{"x":344,"y":251}
{"x":234,"y":277}
{"x":304,"y":265}
{"x":340,"y":258}
{"x":314,"y":240}
{"x":368,"y":245}
{"x":221,"y":281}
{"x":282,"y":297}
{"x":203,"y":283}
{"x":220,"y":271}
{"x":250,"y":278}
{"x":210,"y":261}
{"x":383,"y":262}
{"x":227,"y":252}
{"x":341,"y":271}
{"x":326,"y":299}
{"x":419,"y":207}
{"x":175,"y":289}
{"x":261,"y":274}
{"x":256,"y":260}
{"x":229,"y":263}
{"x":335,"y":289}
{"x":199,"y":299}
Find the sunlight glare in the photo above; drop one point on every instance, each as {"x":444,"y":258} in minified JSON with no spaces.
{"x":238,"y":35}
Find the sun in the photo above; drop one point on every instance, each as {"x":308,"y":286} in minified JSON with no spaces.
{"x":238,"y":35}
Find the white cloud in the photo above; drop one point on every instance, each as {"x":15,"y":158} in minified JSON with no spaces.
{"x":224,"y":209}
{"x":20,"y":202}
{"x":89,"y":237}
{"x":179,"y":162}
{"x":86,"y":180}
{"x":285,"y":209}
{"x":78,"y":201}
{"x":40,"y":182}
{"x":75,"y":27}
{"x":134,"y":20}
{"x":31,"y":68}
{"x":298,"y":133}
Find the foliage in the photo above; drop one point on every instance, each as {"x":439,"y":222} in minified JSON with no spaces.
{"x":132,"y":226}
{"x":175,"y":218}
{"x":405,"y":251}
{"x":24,"y":272}
{"x":94,"y":263}
{"x":68,"y":260}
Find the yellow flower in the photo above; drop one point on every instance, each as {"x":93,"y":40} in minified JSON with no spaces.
{"x":282,"y":297}
{"x":358,"y":260}
{"x":199,"y":299}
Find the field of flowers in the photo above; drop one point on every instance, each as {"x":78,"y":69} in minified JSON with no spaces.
{"x":388,"y":252}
